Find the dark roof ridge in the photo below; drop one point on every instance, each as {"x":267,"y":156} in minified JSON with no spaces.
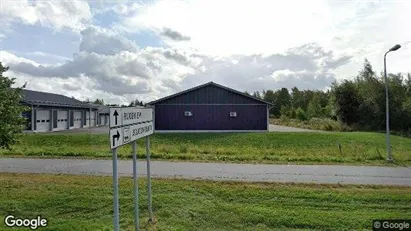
{"x":204,"y":85}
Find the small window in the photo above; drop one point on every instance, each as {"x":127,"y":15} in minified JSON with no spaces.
{"x":188,"y":113}
{"x":233,"y":114}
{"x":47,"y":121}
{"x":43,"y":121}
{"x":38,"y":121}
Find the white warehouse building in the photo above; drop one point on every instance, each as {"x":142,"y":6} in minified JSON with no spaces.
{"x":53,"y":112}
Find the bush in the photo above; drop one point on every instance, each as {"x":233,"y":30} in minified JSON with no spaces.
{"x":292,"y":114}
{"x":300,"y":114}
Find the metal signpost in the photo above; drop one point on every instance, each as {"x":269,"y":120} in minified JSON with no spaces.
{"x":127,"y":124}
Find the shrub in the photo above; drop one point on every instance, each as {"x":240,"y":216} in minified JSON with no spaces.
{"x":300,"y":114}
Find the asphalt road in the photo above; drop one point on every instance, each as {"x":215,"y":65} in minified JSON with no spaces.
{"x":218,"y":171}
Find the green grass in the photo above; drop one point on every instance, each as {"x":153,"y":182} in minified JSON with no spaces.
{"x":304,"y":148}
{"x":323,"y":124}
{"x":85,"y":203}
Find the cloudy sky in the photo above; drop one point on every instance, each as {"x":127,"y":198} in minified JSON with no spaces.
{"x":123,"y":50}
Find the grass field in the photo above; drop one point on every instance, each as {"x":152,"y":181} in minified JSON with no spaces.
{"x":305,"y":148}
{"x":85,"y":203}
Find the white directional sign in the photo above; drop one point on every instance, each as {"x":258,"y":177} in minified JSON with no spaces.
{"x":116,"y":137}
{"x":129,"y":115}
{"x":137,"y":131}
{"x":124,"y":135}
{"x":128,"y":124}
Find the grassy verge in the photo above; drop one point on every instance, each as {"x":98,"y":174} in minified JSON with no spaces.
{"x":314,"y":124}
{"x":85,"y":203}
{"x":305,"y":148}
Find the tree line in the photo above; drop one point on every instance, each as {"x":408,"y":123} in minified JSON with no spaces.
{"x":133,"y":103}
{"x":358,"y":102}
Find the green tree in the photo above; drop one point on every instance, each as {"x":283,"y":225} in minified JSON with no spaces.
{"x":296,"y":97}
{"x":12,"y":123}
{"x":257,"y":94}
{"x":136,"y":103}
{"x":270,"y":97}
{"x":370,"y":91}
{"x":99,"y":101}
{"x":284,"y":97}
{"x":314,"y":108}
{"x":406,"y":119}
{"x":330,"y":109}
{"x":398,"y":98}
{"x":347,"y":102}
{"x":408,"y":84}
{"x":286,"y":111}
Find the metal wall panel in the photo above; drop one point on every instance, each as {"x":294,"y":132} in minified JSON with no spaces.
{"x":55,"y":118}
{"x":211,"y":117}
{"x":71,"y":118}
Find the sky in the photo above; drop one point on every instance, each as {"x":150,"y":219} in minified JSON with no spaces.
{"x":122,"y":50}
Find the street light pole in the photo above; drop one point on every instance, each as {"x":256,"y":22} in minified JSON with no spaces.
{"x":387,"y":110}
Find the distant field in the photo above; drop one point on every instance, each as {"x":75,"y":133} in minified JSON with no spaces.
{"x":305,"y":148}
{"x":85,"y":203}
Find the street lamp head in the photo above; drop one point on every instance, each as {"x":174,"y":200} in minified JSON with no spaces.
{"x":396,"y":47}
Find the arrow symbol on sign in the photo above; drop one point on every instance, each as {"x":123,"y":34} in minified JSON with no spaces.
{"x":115,"y":115}
{"x":116,"y":136}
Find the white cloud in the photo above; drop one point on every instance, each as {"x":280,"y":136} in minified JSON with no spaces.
{"x":364,"y":29}
{"x":103,"y":41}
{"x":150,"y":73}
{"x":236,"y":27}
{"x":248,"y":46}
{"x":10,"y":59}
{"x":68,"y":87}
{"x":74,"y":15}
{"x":122,"y":69}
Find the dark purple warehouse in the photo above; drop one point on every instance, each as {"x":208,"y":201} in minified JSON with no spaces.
{"x":210,"y":107}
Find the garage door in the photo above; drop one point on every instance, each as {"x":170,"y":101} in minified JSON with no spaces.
{"x":42,"y":120}
{"x":62,"y":120}
{"x":77,"y":119}
{"x":93,"y":118}
{"x":87,"y":119}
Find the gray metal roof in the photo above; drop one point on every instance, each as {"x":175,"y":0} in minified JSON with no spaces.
{"x":49,"y":99}
{"x":103,"y":109}
{"x":208,"y":84}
